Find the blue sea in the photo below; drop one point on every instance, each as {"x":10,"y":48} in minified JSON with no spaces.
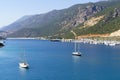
{"x":54,"y":61}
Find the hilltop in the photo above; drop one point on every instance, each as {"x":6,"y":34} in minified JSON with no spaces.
{"x":84,"y":19}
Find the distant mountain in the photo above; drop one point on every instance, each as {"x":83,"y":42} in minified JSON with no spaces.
{"x":59,"y":23}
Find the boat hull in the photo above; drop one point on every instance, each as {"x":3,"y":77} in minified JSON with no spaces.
{"x":23,"y":65}
{"x":76,"y":53}
{"x":1,"y":44}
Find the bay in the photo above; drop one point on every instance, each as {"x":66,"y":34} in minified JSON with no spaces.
{"x":54,"y":61}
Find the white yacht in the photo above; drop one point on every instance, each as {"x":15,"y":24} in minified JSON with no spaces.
{"x":76,"y":52}
{"x":23,"y":63}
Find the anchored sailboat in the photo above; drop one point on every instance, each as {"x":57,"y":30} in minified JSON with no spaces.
{"x":76,"y":52}
{"x":23,"y":63}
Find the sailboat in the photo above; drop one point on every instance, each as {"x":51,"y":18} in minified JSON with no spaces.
{"x":76,"y":52}
{"x":23,"y":63}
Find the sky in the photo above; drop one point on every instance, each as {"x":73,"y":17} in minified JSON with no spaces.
{"x":11,"y":10}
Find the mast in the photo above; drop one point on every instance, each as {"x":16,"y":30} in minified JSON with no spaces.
{"x":23,"y":59}
{"x":75,"y":35}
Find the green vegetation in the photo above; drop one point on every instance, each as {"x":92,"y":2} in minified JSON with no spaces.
{"x":59,"y":23}
{"x":101,"y":27}
{"x":107,"y":25}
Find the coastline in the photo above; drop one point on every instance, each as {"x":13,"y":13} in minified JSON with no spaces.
{"x":104,"y":41}
{"x":25,"y":38}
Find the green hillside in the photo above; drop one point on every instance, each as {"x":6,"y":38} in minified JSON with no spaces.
{"x":59,"y":23}
{"x":107,"y":25}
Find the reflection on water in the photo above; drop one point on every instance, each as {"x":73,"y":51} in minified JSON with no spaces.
{"x":22,"y":71}
{"x":76,"y":67}
{"x":76,"y":58}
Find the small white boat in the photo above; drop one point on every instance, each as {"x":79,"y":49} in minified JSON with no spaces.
{"x":23,"y":65}
{"x":76,"y":53}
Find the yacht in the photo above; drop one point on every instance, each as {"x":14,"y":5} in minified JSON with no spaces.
{"x":23,"y":63}
{"x":76,"y":52}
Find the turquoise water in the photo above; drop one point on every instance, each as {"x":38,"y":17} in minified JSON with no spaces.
{"x":53,"y":61}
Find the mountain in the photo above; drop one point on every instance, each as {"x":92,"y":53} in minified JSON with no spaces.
{"x":90,"y":18}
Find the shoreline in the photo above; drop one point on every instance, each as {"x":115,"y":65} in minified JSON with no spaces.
{"x":83,"y":40}
{"x":21,"y":38}
{"x":27,"y":38}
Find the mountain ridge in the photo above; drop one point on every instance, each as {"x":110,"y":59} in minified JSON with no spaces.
{"x":60,"y":22}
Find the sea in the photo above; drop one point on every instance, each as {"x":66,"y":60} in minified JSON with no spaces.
{"x":54,"y":61}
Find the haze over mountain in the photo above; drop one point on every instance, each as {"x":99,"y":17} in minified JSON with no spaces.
{"x":90,"y":18}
